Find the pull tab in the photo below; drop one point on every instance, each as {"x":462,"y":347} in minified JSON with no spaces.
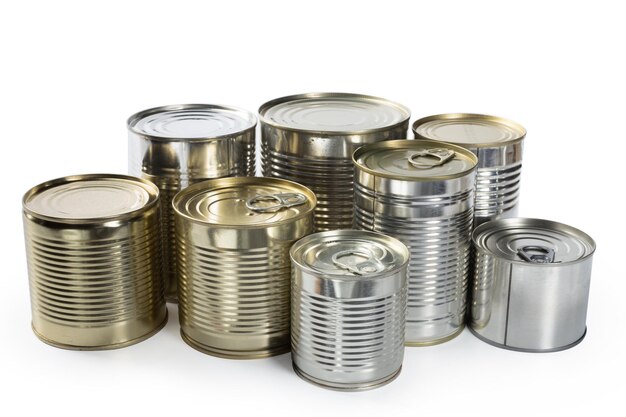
{"x":283,"y":200}
{"x":371,"y":265}
{"x":541,"y":255}
{"x":431,"y":158}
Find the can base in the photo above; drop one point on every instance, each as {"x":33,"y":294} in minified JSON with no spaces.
{"x":436,"y":341}
{"x":232,"y":354}
{"x":345,"y":387}
{"x":103,"y":347}
{"x":516,"y":349}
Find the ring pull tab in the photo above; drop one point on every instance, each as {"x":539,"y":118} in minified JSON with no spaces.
{"x":536,"y":254}
{"x":370,"y":265}
{"x":429,"y":158}
{"x":282,"y":200}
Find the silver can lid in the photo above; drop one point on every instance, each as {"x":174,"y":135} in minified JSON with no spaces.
{"x":93,"y":197}
{"x":469,"y":130}
{"x":349,"y":254}
{"x":338,"y":113}
{"x":533,"y":241}
{"x":415,"y":160}
{"x":191,"y":122}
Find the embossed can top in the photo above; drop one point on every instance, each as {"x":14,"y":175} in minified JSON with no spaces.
{"x":244,"y":202}
{"x":349,"y":254}
{"x":335,"y":113}
{"x":533,"y":241}
{"x":415,"y":160}
{"x":193,"y":122}
{"x":90,"y":198}
{"x":469,"y":130}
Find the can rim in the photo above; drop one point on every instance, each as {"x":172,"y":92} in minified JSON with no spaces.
{"x":400,"y":143}
{"x":348,"y":232}
{"x":451,"y":116}
{"x":152,"y":189}
{"x":267,"y":105}
{"x":220,"y":182}
{"x":133,"y":119}
{"x":527,"y":221}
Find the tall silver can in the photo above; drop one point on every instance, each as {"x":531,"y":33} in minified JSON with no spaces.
{"x":422,"y":192}
{"x":498,"y":144}
{"x":233,"y":237}
{"x":348,"y":303}
{"x":179,"y":145}
{"x":531,"y":285}
{"x":310,"y":138}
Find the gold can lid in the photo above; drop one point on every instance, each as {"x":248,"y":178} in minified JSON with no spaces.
{"x":93,"y":197}
{"x":469,"y":130}
{"x":244,"y":202}
{"x":415,"y":160}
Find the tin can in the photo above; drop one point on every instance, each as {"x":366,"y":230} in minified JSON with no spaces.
{"x":348,"y":304}
{"x":422,"y":193}
{"x":498,"y":144}
{"x":179,"y":145}
{"x":233,"y":237}
{"x":531,"y":284}
{"x":93,"y":247}
{"x":310,"y":138}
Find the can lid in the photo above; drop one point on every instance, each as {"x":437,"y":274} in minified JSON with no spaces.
{"x":470,"y":130}
{"x":191,"y":122}
{"x":415,"y":160}
{"x":93,"y":197}
{"x":339,"y":113}
{"x":350,"y":253}
{"x":244,"y":201}
{"x":533,"y":241}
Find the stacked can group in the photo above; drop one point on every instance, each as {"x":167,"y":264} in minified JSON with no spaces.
{"x":422,"y":193}
{"x":179,"y":145}
{"x":310,"y":138}
{"x":233,"y":237}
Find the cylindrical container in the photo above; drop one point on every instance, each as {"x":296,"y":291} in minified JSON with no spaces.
{"x":348,"y":303}
{"x":531,"y":284}
{"x":233,"y":237}
{"x":93,"y":247}
{"x":310,"y":138}
{"x":176,"y":146}
{"x":422,"y":192}
{"x":498,"y":144}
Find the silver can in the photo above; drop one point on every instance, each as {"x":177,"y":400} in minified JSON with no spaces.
{"x":531,"y":285}
{"x":179,"y":145}
{"x":310,"y":138}
{"x":498,"y":144}
{"x":348,"y":303}
{"x":422,"y":193}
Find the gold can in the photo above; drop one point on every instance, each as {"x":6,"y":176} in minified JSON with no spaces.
{"x":233,"y":237}
{"x":93,"y":245}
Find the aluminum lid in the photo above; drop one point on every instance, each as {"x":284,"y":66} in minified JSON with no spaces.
{"x":191,"y":122}
{"x":94,"y":197}
{"x":415,"y":160}
{"x":533,"y":241}
{"x":469,"y":130}
{"x":349,"y":253}
{"x":244,"y":202}
{"x":339,"y":113}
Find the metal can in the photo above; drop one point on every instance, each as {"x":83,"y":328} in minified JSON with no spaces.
{"x":233,"y":237}
{"x":422,"y":193}
{"x":310,"y":138}
{"x":531,"y":284}
{"x":348,"y":304}
{"x":93,"y":247}
{"x":179,"y":145}
{"x":498,"y":144}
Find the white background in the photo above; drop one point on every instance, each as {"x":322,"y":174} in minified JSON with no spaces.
{"x":72,"y":72}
